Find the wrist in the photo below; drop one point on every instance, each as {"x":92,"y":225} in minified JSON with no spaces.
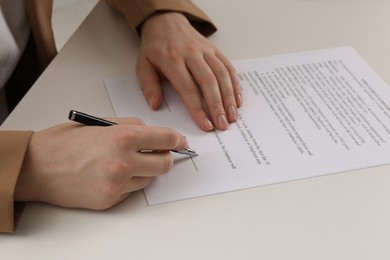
{"x":26,"y":189}
{"x":160,"y":18}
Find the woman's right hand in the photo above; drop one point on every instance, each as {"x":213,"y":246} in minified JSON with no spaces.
{"x":73,"y":165}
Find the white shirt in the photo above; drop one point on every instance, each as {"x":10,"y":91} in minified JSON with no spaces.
{"x":14,"y":32}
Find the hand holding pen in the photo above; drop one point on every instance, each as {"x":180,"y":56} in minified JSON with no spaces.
{"x":70,"y":165}
{"x":96,"y":121}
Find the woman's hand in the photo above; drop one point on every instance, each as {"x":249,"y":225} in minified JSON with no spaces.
{"x":72,"y":165}
{"x":205,"y":79}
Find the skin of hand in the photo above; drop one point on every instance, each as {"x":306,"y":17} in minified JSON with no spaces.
{"x":205,"y":79}
{"x":77,"y":166}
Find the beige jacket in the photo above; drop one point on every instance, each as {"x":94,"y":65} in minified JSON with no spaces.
{"x":13,"y":144}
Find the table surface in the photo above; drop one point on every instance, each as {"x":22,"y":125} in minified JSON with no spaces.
{"x":340,"y":216}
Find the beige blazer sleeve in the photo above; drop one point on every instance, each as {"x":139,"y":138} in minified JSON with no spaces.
{"x":137,"y":11}
{"x":13,"y":146}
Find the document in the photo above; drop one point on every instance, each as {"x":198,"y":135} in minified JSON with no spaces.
{"x":304,"y":115}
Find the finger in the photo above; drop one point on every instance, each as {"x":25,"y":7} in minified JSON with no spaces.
{"x":150,"y":82}
{"x":158,"y":138}
{"x":137,"y":183}
{"x":208,"y":83}
{"x":225,"y":85}
{"x":151,"y":164}
{"x":182,"y":81}
{"x":233,"y":76}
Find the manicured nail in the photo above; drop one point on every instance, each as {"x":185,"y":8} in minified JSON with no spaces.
{"x":207,"y":124}
{"x":222,"y":122}
{"x":150,"y":100}
{"x":239,"y":99}
{"x":184,"y":141}
{"x":232,"y":111}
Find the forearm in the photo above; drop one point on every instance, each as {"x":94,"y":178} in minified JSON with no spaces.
{"x":137,"y":11}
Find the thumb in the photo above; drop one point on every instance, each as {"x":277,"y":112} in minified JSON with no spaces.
{"x":150,"y":82}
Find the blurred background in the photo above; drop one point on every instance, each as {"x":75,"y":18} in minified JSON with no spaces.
{"x":67,"y":17}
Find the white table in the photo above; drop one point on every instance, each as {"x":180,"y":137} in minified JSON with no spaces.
{"x":341,"y":216}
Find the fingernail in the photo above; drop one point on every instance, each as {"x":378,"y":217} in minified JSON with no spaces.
{"x":184,"y":141}
{"x":207,"y":124}
{"x":239,"y":99}
{"x":232,"y":111}
{"x":150,"y":100}
{"x":222,"y":122}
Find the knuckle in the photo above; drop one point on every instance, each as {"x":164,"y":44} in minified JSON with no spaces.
{"x":191,"y":48}
{"x":188,"y":89}
{"x":168,"y":164}
{"x":125,"y":136}
{"x":229,"y":99}
{"x":118,"y":169}
{"x":199,"y":112}
{"x":208,"y":80}
{"x":221,"y":72}
{"x":173,"y":55}
{"x":138,"y":121}
{"x":217,"y":107}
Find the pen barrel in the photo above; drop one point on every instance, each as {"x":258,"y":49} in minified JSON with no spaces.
{"x":88,"y":119}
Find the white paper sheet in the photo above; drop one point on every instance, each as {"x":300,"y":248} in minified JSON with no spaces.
{"x":304,"y":115}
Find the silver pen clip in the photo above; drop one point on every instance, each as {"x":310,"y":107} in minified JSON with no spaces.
{"x":187,"y":151}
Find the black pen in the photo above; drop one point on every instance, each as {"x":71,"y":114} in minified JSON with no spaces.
{"x":96,"y":121}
